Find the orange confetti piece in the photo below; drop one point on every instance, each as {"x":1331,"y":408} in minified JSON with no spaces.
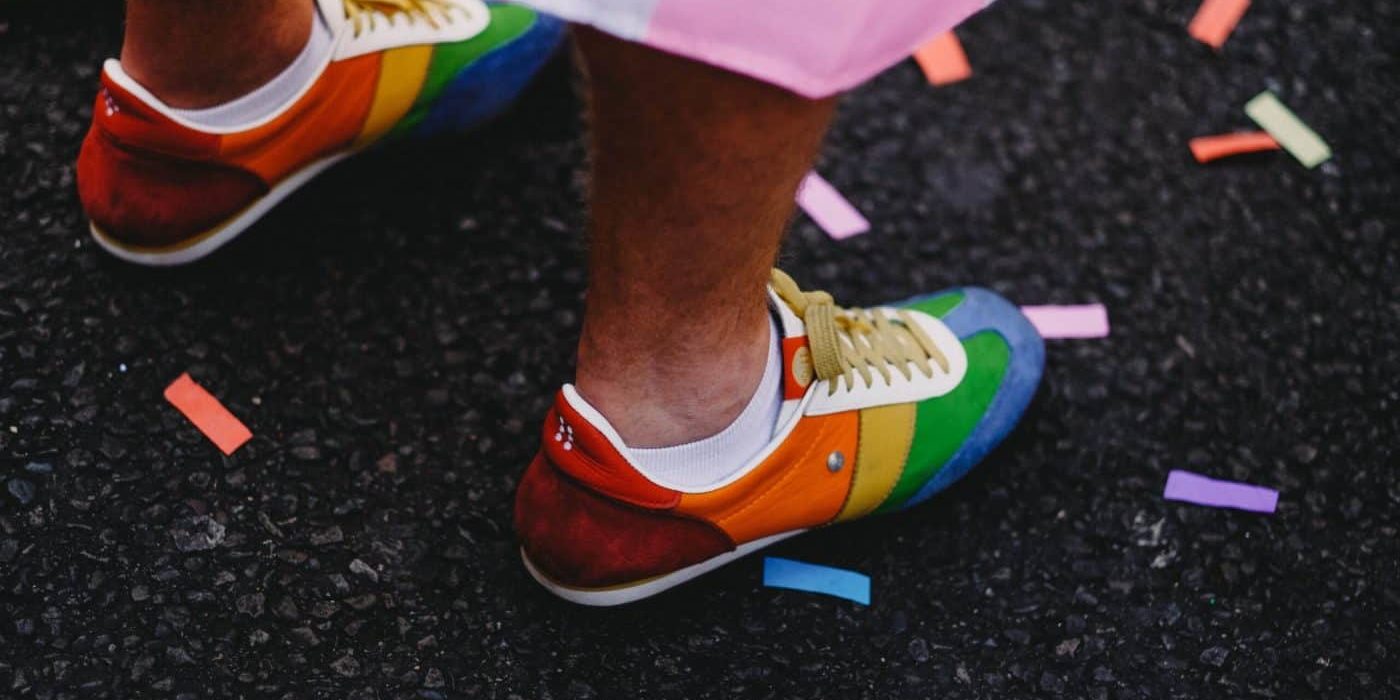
{"x":201,"y":408}
{"x":944,"y":60}
{"x":1209,"y":148}
{"x":1215,"y":20}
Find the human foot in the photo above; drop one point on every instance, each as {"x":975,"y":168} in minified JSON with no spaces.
{"x":195,"y":53}
{"x":656,"y":400}
{"x":160,"y":189}
{"x":883,"y":409}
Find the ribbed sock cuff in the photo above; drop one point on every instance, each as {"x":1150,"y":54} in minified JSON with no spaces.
{"x":272,"y":95}
{"x":695,"y":465}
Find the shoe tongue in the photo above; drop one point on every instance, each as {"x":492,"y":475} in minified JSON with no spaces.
{"x":788,"y":321}
{"x":797,"y":357}
{"x":333,"y":14}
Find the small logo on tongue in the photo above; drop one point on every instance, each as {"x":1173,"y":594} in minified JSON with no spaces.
{"x":798,"y":359}
{"x":802,"y":366}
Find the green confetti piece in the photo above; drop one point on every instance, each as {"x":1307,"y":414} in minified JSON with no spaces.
{"x":1288,"y":129}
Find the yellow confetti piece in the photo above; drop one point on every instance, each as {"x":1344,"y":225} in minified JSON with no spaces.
{"x":1288,"y":129}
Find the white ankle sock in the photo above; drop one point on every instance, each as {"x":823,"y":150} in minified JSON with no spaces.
{"x":698,"y":464}
{"x":272,"y":95}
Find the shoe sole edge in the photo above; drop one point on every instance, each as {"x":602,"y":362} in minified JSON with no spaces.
{"x":206,"y":242}
{"x":624,"y":593}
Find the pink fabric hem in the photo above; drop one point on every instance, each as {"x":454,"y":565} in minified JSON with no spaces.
{"x":813,"y":50}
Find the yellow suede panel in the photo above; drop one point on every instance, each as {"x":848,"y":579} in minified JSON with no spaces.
{"x":885,"y":435}
{"x":401,"y":75}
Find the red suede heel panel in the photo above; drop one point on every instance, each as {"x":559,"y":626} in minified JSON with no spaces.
{"x":153,"y":200}
{"x":130,"y":121}
{"x":581,"y":539}
{"x":578,"y":449}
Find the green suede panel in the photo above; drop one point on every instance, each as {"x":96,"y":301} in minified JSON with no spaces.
{"x":507,"y":23}
{"x":938,"y":306}
{"x":942,"y":424}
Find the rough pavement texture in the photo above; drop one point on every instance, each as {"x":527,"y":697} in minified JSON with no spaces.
{"x":393,"y":334}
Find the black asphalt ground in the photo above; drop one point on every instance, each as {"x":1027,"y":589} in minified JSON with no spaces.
{"x":393,"y":334}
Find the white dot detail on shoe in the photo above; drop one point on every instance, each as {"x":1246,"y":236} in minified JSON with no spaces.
{"x":565,"y":434}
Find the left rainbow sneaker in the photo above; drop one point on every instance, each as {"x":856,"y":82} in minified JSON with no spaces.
{"x":160,"y":190}
{"x":883,"y":408}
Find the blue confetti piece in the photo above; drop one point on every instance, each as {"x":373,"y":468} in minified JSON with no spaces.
{"x":814,"y":578}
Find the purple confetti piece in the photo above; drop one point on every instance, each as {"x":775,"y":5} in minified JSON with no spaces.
{"x":1194,"y":488}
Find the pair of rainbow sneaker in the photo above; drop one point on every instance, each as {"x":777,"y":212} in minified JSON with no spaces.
{"x":882,"y":407}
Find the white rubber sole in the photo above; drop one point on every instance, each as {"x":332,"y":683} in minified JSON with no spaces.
{"x":646,"y":588}
{"x":215,"y":238}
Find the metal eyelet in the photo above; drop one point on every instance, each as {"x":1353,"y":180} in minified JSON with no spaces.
{"x":835,"y":461}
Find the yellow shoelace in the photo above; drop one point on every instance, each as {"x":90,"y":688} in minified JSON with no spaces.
{"x":846,"y":341}
{"x":363,"y":12}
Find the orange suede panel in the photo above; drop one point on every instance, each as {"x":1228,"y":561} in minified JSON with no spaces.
{"x":325,"y":120}
{"x":792,"y":489}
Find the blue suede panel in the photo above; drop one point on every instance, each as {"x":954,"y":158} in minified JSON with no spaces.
{"x":982,"y":310}
{"x":489,"y":85}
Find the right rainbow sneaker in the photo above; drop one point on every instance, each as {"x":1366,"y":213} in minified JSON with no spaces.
{"x":160,"y":190}
{"x":883,"y":408}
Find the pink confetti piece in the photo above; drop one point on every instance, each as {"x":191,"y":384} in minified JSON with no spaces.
{"x":206,"y":413}
{"x":1080,"y":321}
{"x":1215,"y":20}
{"x":1209,"y":148}
{"x":944,"y":60}
{"x":829,"y":209}
{"x":1194,"y":488}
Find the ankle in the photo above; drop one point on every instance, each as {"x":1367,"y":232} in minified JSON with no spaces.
{"x":658,"y":397}
{"x":170,"y":49}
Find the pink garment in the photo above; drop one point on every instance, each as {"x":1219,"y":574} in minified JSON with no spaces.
{"x":812,"y":47}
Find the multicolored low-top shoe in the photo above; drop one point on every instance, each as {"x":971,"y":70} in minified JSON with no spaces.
{"x":160,"y":190}
{"x":883,"y":408}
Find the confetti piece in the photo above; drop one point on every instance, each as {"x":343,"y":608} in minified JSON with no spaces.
{"x":1215,"y":20}
{"x":201,"y":408}
{"x":944,"y":60}
{"x":1288,"y":129}
{"x":801,"y":576}
{"x":1194,"y":488}
{"x":829,"y":209}
{"x":1082,"y":321}
{"x":1209,"y":148}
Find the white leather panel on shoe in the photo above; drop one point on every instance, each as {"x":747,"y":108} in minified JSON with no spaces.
{"x":899,"y":390}
{"x":463,"y":20}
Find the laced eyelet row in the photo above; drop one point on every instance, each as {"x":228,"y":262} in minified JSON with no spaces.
{"x":845,"y":343}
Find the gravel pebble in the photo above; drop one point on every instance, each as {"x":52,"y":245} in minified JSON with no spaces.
{"x":197,"y":533}
{"x":22,"y":490}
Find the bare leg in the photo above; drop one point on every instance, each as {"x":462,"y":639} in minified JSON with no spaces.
{"x":694,"y":174}
{"x":198,"y":53}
